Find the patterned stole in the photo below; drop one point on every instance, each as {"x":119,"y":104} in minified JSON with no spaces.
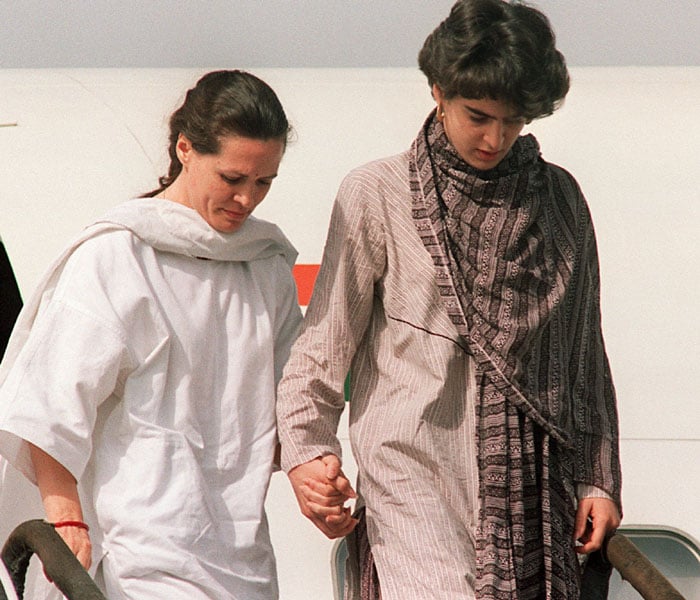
{"x":503,"y":254}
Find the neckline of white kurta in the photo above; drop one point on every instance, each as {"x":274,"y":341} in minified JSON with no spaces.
{"x":168,"y":227}
{"x":172,"y":227}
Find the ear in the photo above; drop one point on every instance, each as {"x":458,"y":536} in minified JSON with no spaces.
{"x":183,"y":148}
{"x":439,"y":100}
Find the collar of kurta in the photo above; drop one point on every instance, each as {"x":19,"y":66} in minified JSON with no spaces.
{"x":171,"y":227}
{"x":167,"y":227}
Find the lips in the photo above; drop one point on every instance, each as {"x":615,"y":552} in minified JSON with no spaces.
{"x":486,"y":155}
{"x":234,"y":215}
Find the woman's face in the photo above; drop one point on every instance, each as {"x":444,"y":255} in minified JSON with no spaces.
{"x":482,"y":131}
{"x":225,"y":188}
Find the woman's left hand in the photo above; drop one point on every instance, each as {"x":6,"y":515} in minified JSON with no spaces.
{"x":595,"y":518}
{"x":59,"y":493}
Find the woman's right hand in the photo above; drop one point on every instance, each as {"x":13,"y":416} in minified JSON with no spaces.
{"x":322,"y":489}
{"x":78,"y":540}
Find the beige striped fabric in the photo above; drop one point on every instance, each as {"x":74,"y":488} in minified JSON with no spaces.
{"x":433,"y":426}
{"x":376,"y":311}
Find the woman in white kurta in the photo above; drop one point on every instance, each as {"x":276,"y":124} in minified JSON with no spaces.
{"x":144,"y":369}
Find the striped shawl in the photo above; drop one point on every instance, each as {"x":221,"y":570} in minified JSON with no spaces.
{"x":516,"y":263}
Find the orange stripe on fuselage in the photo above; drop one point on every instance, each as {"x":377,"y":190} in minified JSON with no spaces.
{"x":305,"y":276}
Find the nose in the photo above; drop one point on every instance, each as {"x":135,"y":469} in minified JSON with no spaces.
{"x":494,"y":135}
{"x":245,"y":197}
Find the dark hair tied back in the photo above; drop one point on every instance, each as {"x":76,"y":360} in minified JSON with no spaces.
{"x":224,"y":103}
{"x":500,"y":50}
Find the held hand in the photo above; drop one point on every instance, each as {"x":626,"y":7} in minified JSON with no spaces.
{"x":322,"y":489}
{"x":595,"y":518}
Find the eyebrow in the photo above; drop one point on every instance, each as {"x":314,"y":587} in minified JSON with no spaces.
{"x":481,"y":113}
{"x":478,"y":112}
{"x":233,"y":174}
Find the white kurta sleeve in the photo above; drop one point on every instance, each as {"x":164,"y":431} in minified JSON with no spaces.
{"x":287,"y":318}
{"x":72,"y":361}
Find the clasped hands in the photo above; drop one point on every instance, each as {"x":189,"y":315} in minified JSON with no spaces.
{"x":322,"y":489}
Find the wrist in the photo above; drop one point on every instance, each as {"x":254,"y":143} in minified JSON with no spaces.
{"x":78,"y":524}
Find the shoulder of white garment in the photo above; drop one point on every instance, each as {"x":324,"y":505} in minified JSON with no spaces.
{"x":166,"y":226}
{"x":171,"y":227}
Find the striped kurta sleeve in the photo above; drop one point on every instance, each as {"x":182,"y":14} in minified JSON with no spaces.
{"x":310,"y":395}
{"x":595,"y":409}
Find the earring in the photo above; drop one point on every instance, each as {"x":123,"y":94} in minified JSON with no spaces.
{"x":440,"y":113}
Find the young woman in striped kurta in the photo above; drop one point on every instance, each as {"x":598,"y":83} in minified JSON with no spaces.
{"x":459,"y":286}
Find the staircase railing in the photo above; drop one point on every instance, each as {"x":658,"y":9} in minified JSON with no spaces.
{"x":59,"y":563}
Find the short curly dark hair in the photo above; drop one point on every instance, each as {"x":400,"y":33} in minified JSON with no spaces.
{"x":500,"y":50}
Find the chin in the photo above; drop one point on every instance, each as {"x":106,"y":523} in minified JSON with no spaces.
{"x":229,"y":228}
{"x":486,"y":165}
{"x":225,"y":226}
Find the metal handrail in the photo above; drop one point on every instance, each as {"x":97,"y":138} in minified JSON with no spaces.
{"x":638,"y":570}
{"x":63,"y":568}
{"x":618,"y":552}
{"x":60,"y":564}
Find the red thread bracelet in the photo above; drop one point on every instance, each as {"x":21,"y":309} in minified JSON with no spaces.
{"x":79,"y":524}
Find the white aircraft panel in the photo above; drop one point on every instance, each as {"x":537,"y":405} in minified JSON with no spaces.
{"x":85,"y":140}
